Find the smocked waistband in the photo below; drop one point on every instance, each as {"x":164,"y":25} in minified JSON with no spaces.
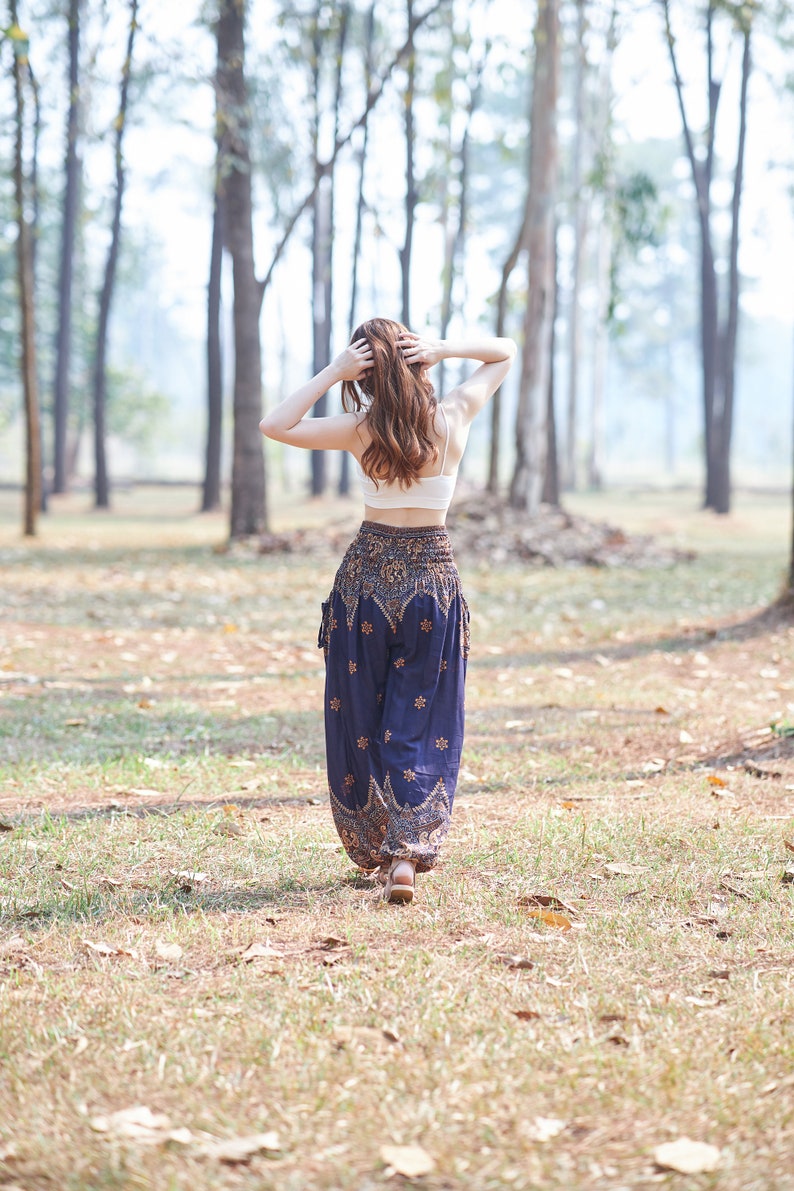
{"x":404,"y":531}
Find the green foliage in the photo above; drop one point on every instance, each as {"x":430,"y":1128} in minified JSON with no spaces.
{"x":637,"y":217}
{"x":136,"y":411}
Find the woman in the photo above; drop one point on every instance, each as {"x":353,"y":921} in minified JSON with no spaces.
{"x":395,"y":626}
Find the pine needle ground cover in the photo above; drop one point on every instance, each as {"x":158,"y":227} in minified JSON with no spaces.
{"x":197,"y":990}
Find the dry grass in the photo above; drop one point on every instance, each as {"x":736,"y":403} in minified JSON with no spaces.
{"x":158,"y":716}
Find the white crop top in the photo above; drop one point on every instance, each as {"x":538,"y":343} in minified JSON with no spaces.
{"x":428,"y":492}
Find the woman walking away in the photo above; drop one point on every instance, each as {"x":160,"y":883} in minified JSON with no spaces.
{"x":395,"y":628}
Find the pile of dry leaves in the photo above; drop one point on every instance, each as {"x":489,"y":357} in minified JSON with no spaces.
{"x":485,"y":527}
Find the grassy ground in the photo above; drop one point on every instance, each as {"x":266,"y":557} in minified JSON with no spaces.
{"x":179,"y":929}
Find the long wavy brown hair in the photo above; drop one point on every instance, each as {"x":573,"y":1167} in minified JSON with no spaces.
{"x":400,"y":405}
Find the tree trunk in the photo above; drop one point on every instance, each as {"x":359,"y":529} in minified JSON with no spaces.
{"x":25,"y":276}
{"x":527,"y":483}
{"x":323,"y":234}
{"x":411,"y":197}
{"x":551,"y":478}
{"x":248,"y":506}
{"x":726,"y":375}
{"x":71,"y":199}
{"x":101,"y":484}
{"x":519,"y":245}
{"x":718,"y":345}
{"x":580,"y":213}
{"x":352,"y":322}
{"x":211,"y":493}
{"x":596,"y":448}
{"x":457,"y":241}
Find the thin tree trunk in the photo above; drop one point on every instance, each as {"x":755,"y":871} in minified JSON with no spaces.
{"x":211,"y":492}
{"x":789,"y":594}
{"x":369,"y":37}
{"x":71,"y":199}
{"x":596,"y":449}
{"x":411,"y":196}
{"x":25,"y":276}
{"x":580,"y":213}
{"x":323,"y":238}
{"x":727,"y":356}
{"x":458,"y":240}
{"x":249,"y":505}
{"x":527,"y":482}
{"x":551,"y":478}
{"x":501,"y":318}
{"x":101,"y":484}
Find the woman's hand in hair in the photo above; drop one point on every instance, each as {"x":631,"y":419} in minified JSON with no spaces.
{"x":417,"y":350}
{"x":354,"y":361}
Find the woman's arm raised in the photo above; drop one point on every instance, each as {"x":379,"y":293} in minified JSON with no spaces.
{"x":288,"y":422}
{"x":496,"y":356}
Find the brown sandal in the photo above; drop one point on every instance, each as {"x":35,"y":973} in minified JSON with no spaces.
{"x":400,"y":881}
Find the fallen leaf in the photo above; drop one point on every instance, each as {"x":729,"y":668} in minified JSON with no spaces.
{"x":168,"y":951}
{"x":109,"y":883}
{"x":260,"y":951}
{"x":144,"y":704}
{"x":686,"y":1156}
{"x":685,"y":737}
{"x":331,"y":941}
{"x":655,"y":765}
{"x":625,"y":870}
{"x":138,"y":1123}
{"x":242,"y":1149}
{"x":187,"y":878}
{"x":661,"y":710}
{"x":143,"y":792}
{"x":77,"y":723}
{"x":10,"y":827}
{"x":544,"y":1128}
{"x":517,"y":962}
{"x":788,"y":845}
{"x":526,"y":1014}
{"x":733,"y":889}
{"x":410,"y":1161}
{"x":100,"y":948}
{"x":788,"y":876}
{"x":713,"y":780}
{"x":227,"y":827}
{"x":546,"y":900}
{"x":550,"y":918}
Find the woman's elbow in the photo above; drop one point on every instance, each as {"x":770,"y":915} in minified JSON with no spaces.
{"x":268,"y":428}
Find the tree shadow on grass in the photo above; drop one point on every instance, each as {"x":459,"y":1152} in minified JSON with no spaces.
{"x":769,"y":620}
{"x":292,"y":898}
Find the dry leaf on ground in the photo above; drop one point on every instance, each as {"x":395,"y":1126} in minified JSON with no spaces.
{"x":410,"y":1161}
{"x":546,"y":900}
{"x":625,"y":870}
{"x":138,"y":1123}
{"x":687,"y":1156}
{"x":545,"y":1128}
{"x":260,"y":951}
{"x":550,"y":918}
{"x":168,"y":951}
{"x":242,"y":1149}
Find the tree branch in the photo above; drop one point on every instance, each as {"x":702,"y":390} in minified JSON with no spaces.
{"x":325,"y":167}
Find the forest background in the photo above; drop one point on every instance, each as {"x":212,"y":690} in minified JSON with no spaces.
{"x":389,"y":151}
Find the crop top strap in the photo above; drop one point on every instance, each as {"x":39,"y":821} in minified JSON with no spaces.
{"x":446,"y":439}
